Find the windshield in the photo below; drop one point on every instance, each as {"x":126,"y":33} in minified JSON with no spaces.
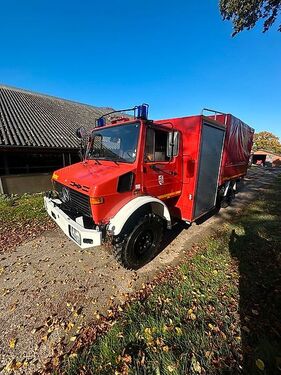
{"x":117,"y":143}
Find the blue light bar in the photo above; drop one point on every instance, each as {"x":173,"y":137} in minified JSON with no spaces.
{"x":142,"y":111}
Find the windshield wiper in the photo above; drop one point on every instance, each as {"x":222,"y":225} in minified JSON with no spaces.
{"x":96,"y":160}
{"x":119,"y":158}
{"x":111,"y":158}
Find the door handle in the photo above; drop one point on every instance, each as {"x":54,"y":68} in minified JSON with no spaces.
{"x":157,"y":169}
{"x":154,"y":167}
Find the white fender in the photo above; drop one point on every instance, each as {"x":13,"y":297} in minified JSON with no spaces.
{"x":117,"y":222}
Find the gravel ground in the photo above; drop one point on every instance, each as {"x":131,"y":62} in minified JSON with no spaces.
{"x":50,"y":288}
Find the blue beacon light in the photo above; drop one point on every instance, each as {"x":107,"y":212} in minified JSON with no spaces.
{"x":100,"y":122}
{"x":142,"y":111}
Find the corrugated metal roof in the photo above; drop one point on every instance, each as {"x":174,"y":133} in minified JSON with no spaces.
{"x":37,"y":120}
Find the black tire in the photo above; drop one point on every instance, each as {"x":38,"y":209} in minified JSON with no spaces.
{"x":138,"y":244}
{"x":225,"y":201}
{"x":230,"y":196}
{"x":239,"y":185}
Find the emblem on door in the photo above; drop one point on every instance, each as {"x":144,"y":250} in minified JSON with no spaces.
{"x":160,"y":179}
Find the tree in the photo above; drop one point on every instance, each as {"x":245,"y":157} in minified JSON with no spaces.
{"x":244,"y":14}
{"x":267,"y":141}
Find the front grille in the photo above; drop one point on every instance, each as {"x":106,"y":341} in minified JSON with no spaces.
{"x":78,"y":202}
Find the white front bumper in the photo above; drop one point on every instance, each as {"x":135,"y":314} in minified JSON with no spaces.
{"x":89,"y":237}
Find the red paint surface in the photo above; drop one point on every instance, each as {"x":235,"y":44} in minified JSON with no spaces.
{"x":102,"y":179}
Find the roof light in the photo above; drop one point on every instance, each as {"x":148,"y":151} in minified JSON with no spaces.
{"x":100,"y":122}
{"x":142,"y":111}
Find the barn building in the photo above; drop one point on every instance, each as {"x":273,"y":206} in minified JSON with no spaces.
{"x":37,"y":136}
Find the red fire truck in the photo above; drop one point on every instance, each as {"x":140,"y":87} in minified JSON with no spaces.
{"x":138,"y":176}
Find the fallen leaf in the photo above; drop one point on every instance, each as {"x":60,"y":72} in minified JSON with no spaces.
{"x":260,"y":364}
{"x":208,"y":354}
{"x":171,"y":368}
{"x":12,"y":343}
{"x":13,"y":365}
{"x":69,"y":326}
{"x":56,"y":361}
{"x":179,"y":331}
{"x":127,"y":358}
{"x":147,"y":331}
{"x":193,"y":316}
{"x":196,"y":365}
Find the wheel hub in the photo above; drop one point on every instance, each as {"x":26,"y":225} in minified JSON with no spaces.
{"x":144,"y":241}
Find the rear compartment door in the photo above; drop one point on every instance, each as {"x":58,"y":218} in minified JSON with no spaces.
{"x":212,"y":138}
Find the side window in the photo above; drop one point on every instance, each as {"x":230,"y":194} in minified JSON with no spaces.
{"x":149,"y":145}
{"x":161,"y":145}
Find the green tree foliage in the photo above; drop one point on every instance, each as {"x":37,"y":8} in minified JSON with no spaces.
{"x":267,"y":141}
{"x":244,"y":14}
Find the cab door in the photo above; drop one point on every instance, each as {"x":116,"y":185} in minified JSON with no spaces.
{"x":162,"y":165}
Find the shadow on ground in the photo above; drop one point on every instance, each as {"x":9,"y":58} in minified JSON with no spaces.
{"x":256,"y":245}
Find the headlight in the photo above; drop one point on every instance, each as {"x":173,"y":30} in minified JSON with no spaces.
{"x":75,"y":234}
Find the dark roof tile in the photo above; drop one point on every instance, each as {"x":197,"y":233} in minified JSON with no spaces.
{"x":31,"y":119}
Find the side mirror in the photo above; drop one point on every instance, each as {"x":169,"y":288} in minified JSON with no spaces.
{"x":173,"y":144}
{"x":80,"y":132}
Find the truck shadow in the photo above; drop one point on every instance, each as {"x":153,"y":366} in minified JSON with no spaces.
{"x":259,"y":262}
{"x":170,"y":235}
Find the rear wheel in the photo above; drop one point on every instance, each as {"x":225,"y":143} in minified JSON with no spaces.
{"x":223,"y":200}
{"x":138,"y":244}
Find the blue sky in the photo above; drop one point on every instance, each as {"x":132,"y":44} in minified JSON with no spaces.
{"x":178,"y":56}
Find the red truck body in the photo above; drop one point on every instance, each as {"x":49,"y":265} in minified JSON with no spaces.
{"x":176,"y":168}
{"x":234,"y":146}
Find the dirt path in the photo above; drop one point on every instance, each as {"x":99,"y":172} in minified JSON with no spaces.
{"x":50,"y":289}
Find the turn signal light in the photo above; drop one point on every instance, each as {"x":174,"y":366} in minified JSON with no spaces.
{"x":96,"y":200}
{"x":55,"y":176}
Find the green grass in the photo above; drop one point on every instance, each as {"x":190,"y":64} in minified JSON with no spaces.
{"x":219,"y":314}
{"x":24,"y":208}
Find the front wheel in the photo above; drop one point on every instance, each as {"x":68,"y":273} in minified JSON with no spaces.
{"x":137,"y":244}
